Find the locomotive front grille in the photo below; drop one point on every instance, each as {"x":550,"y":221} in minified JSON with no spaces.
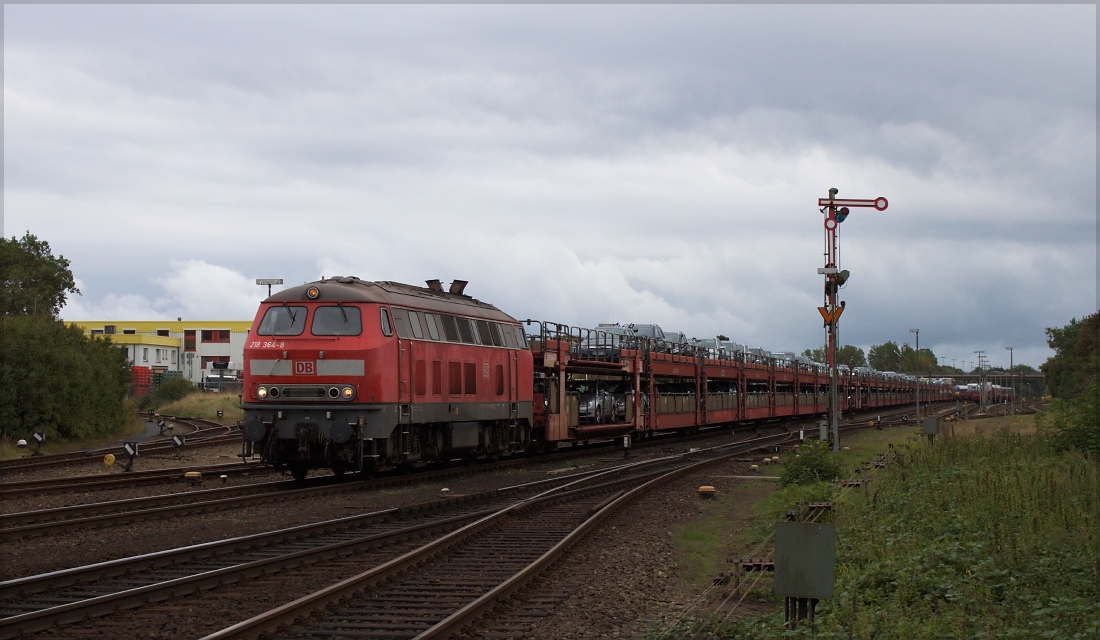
{"x":304,"y":392}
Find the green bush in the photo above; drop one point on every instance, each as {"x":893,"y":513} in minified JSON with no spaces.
{"x":54,"y":379}
{"x":814,"y":463}
{"x":1073,"y":423}
{"x":167,"y":392}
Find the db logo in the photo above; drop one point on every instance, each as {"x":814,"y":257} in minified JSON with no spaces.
{"x":305,"y":368}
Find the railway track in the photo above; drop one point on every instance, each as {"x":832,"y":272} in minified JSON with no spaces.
{"x":10,"y":490}
{"x":38,"y":602}
{"x":204,"y":433}
{"x":449,"y":582}
{"x":99,"y":514}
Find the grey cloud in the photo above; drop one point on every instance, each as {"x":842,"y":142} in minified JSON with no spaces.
{"x":649,"y":163}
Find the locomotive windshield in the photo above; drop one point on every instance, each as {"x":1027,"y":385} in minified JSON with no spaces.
{"x":337,"y":321}
{"x":283,"y":321}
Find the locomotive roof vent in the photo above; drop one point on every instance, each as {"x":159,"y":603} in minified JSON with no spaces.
{"x":435,"y":285}
{"x":458,"y":286}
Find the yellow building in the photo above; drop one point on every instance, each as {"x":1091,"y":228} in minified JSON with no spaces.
{"x":191,"y":347}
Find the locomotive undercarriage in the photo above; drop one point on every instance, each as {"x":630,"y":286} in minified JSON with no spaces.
{"x":300,"y":439}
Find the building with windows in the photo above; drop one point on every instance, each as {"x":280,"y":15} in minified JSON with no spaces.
{"x":190,"y":347}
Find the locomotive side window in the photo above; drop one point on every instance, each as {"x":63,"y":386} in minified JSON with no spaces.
{"x":401,"y":322}
{"x":450,"y":327}
{"x":387,"y":329}
{"x":337,"y":321}
{"x":486,"y":335}
{"x":464,"y":330}
{"x":430,"y":322}
{"x":508,"y":335}
{"x":494,"y":334}
{"x":521,"y":336}
{"x":414,"y":324}
{"x":283,"y":321}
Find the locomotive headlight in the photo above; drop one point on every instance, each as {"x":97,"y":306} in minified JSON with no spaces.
{"x":261,"y":392}
{"x":348,"y":393}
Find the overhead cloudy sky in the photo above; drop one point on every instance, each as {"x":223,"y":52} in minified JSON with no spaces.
{"x":580,"y":164}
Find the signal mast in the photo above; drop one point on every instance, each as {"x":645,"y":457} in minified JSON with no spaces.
{"x":835,"y":211}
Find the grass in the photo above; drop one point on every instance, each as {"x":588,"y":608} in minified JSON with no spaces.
{"x":702,"y":541}
{"x":206,"y":405}
{"x":705,"y":541}
{"x":135,"y":425}
{"x":974,"y":537}
{"x":195,"y":405}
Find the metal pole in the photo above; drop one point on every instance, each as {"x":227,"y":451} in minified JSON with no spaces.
{"x":981,"y":386}
{"x":917,"y":332}
{"x":836,"y":403}
{"x":1012,"y":381}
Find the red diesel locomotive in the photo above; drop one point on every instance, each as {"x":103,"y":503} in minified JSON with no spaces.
{"x":353,"y":375}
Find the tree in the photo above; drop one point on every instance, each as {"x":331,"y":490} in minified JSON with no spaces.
{"x":52,"y":377}
{"x":847,"y":354}
{"x":1076,"y":361}
{"x":910,"y":362}
{"x":35,"y":282}
{"x":56,"y":380}
{"x":885,"y":357}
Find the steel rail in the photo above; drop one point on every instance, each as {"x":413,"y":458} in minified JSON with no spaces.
{"x":303,"y":607}
{"x":83,"y":516}
{"x":64,"y":577}
{"x":16,"y":489}
{"x":46,"y":617}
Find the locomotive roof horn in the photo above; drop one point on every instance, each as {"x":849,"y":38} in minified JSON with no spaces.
{"x":458,"y":286}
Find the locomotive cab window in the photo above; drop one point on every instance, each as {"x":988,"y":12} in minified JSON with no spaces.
{"x":283,"y":321}
{"x":337,"y":321}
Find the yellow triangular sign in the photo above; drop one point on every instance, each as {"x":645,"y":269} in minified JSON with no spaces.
{"x":830,"y":317}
